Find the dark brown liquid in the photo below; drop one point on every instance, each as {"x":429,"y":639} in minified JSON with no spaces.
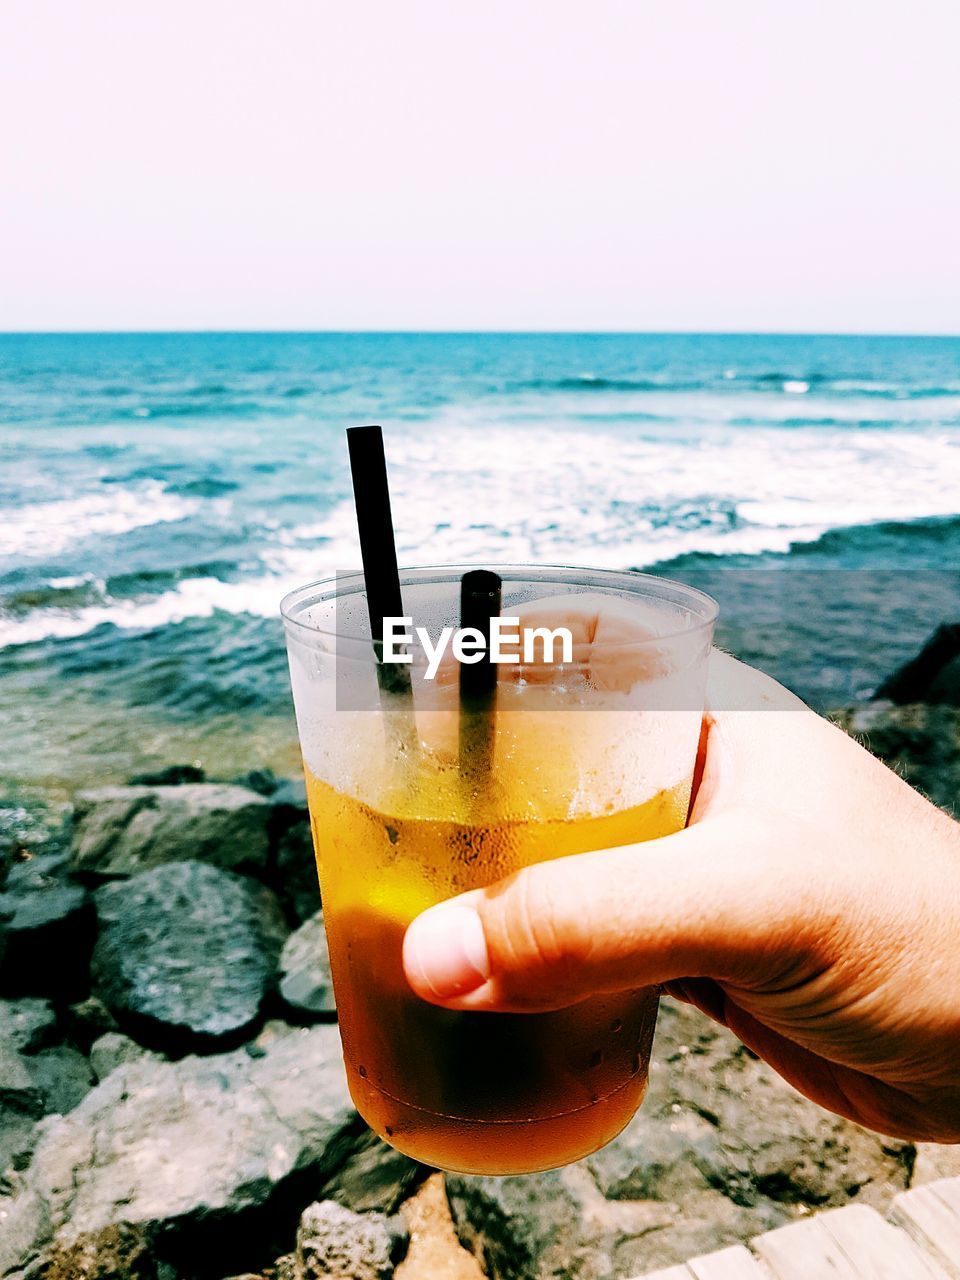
{"x":475,"y":1092}
{"x":482,"y":1092}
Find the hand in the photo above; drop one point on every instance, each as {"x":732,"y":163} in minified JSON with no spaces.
{"x":812,"y":905}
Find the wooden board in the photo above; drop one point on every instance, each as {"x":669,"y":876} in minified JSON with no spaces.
{"x":736,"y":1263}
{"x":845,"y":1244}
{"x":879,"y":1249}
{"x":671,"y":1273}
{"x":931,"y":1215}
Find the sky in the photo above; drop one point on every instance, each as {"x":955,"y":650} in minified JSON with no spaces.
{"x":785,"y":165}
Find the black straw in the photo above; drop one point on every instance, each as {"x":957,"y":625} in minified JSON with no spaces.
{"x":378,"y":550}
{"x":479,"y":602}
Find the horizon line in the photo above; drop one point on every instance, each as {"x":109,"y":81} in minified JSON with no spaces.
{"x":484,"y":332}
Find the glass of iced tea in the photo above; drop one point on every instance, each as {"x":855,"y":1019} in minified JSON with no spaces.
{"x":580,"y":750}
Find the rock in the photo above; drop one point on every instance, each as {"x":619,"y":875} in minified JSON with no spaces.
{"x":375,"y":1176}
{"x":21,"y":1099}
{"x":334,"y":1242}
{"x":113,"y":1050}
{"x":121,"y":1252}
{"x":296,"y":871}
{"x":935,"y":1160}
{"x":27,"y":1025}
{"x":121,"y":830}
{"x":37,"y":1076}
{"x":263,"y":781}
{"x":49,"y":926}
{"x":87,"y":1020}
{"x":31,"y":826}
{"x":295,"y":864}
{"x":528,"y":1227}
{"x":172,"y":775}
{"x":933,"y":676}
{"x":922,"y":743}
{"x":63,"y":1076}
{"x":211,"y":1158}
{"x":305,"y":982}
{"x":23,"y":1221}
{"x":186,"y":954}
{"x":721,"y":1150}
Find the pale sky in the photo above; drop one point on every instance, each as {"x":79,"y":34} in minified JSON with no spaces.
{"x":528,"y":164}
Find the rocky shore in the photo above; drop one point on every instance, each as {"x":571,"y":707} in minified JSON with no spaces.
{"x":173,"y":1105}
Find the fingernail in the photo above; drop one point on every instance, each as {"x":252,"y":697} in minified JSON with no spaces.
{"x":445,"y":951}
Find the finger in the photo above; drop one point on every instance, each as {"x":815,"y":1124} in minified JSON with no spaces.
{"x":689,"y":905}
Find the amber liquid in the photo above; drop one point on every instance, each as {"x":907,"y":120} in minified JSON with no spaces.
{"x":473,"y":1092}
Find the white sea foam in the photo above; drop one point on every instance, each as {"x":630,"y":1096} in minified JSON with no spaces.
{"x":192,"y":598}
{"x":556,"y":494}
{"x":48,"y":528}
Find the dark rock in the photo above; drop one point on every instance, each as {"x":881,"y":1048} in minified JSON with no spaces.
{"x":375,"y":1176}
{"x":721,"y":1150}
{"x":113,"y":1050}
{"x":27,"y":1025}
{"x":119,"y":831}
{"x":529,"y":1227}
{"x":922,"y":743}
{"x":290,"y":794}
{"x":263,"y":781}
{"x":87,"y":1020}
{"x":211,"y":1158}
{"x":186,"y":954}
{"x":335,"y":1243}
{"x":296,"y":871}
{"x":121,"y":1252}
{"x":305,"y":982}
{"x":173,"y":775}
{"x":20,"y":1095}
{"x":30,"y":827}
{"x":933,"y":676}
{"x":38,"y":1076}
{"x":63,"y":1076}
{"x":295,"y":864}
{"x":49,"y":926}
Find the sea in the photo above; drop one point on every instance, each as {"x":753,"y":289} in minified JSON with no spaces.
{"x":160,"y":492}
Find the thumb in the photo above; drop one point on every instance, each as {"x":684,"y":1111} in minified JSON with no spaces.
{"x":715,"y":900}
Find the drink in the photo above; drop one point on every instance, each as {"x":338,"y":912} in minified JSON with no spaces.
{"x":400,"y":828}
{"x":471,"y":1091}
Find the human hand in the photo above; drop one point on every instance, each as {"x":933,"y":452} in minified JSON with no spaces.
{"x":812,"y":905}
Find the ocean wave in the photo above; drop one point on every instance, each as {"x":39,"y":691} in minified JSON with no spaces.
{"x":608,"y":499}
{"x":198,"y":408}
{"x":191,"y":598}
{"x":49,"y":528}
{"x":593,"y":382}
{"x":729,"y":381}
{"x":205,"y":487}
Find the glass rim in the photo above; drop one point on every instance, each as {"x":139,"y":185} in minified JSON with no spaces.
{"x":702,"y":608}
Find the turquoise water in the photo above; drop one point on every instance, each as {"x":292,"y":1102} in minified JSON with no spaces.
{"x":160,"y":492}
